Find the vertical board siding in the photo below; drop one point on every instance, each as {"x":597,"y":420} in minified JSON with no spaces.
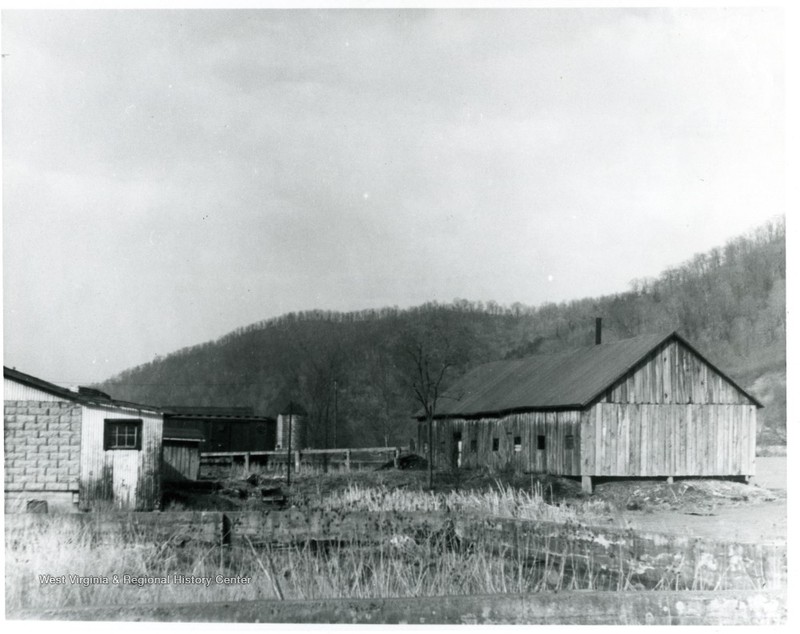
{"x":674,"y":374}
{"x":554,"y":426}
{"x":124,"y":479}
{"x":672,"y":439}
{"x":181,"y":460}
{"x":671,"y":415}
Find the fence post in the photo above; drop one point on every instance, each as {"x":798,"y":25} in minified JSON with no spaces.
{"x":297,"y":462}
{"x":347,"y":459}
{"x":397,"y":457}
{"x":247,"y":462}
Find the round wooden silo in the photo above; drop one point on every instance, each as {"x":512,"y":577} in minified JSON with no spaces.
{"x":292,"y":417}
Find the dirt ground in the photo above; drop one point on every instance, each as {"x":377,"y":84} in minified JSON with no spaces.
{"x":754,"y":513}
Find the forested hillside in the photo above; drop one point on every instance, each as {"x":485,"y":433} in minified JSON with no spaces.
{"x":353,"y":374}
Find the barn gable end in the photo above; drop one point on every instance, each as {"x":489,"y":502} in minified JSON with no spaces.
{"x":675,"y":373}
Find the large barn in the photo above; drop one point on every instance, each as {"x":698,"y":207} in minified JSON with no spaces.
{"x":651,"y":406}
{"x":69,"y":451}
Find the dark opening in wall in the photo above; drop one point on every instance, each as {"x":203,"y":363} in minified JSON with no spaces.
{"x":569,"y":441}
{"x":473,"y":445}
{"x":517,"y":443}
{"x":495,"y":444}
{"x":540,"y":443}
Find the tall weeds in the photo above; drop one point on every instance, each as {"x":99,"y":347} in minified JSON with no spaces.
{"x":427,"y":565}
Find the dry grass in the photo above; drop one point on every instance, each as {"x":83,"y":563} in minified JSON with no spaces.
{"x":501,"y":501}
{"x":392,"y":564}
{"x":396,"y":567}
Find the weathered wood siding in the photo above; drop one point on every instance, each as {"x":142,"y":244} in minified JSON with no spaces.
{"x":127,"y":479}
{"x":671,"y":415}
{"x":478,"y":436}
{"x":181,"y":460}
{"x":674,"y":374}
{"x":664,"y":440}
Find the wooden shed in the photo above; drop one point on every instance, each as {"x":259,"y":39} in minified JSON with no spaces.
{"x":224,"y":428}
{"x":78,"y":450}
{"x":651,"y":406}
{"x":181,"y":455}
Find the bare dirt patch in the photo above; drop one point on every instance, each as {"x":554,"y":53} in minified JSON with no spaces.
{"x":717,"y":509}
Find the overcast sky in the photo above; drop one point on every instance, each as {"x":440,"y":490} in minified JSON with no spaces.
{"x":170,"y":176}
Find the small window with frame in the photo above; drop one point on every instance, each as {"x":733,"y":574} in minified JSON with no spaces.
{"x":122,"y":433}
{"x":569,"y":442}
{"x":517,"y":444}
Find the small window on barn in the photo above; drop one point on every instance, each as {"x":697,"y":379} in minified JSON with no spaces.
{"x":540,"y":443}
{"x":569,"y":441}
{"x":473,"y":445}
{"x":122,"y":433}
{"x":517,"y":443}
{"x":495,"y":444}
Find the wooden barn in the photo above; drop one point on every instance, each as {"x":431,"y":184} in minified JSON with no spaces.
{"x":68,"y":451}
{"x":224,"y":428}
{"x":651,"y":406}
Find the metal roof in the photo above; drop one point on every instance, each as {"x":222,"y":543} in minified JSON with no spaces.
{"x":84,"y":396}
{"x":564,"y":380}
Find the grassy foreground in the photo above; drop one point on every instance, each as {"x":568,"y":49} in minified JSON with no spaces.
{"x":140,"y":571}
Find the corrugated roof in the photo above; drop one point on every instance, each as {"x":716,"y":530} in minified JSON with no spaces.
{"x":85,"y":397}
{"x":562,"y":380}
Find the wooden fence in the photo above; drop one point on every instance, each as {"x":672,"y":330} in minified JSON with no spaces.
{"x":306,"y":459}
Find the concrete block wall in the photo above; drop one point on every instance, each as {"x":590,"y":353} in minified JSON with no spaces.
{"x":42,"y":448}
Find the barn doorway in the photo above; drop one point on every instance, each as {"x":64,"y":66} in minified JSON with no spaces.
{"x":541,"y":452}
{"x":457,"y":450}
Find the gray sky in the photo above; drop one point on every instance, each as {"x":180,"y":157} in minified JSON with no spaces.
{"x":170,"y":176}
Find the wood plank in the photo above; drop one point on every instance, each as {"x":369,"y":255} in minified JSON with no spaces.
{"x":690,"y":441}
{"x":625,"y":441}
{"x":598,"y":435}
{"x":682,"y":440}
{"x":609,"y":440}
{"x":644,"y":448}
{"x":635,"y":433}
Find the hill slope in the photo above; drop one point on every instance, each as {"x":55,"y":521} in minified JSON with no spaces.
{"x":349,"y":371}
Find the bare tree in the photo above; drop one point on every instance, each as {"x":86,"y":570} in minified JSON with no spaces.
{"x":433,"y":352}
